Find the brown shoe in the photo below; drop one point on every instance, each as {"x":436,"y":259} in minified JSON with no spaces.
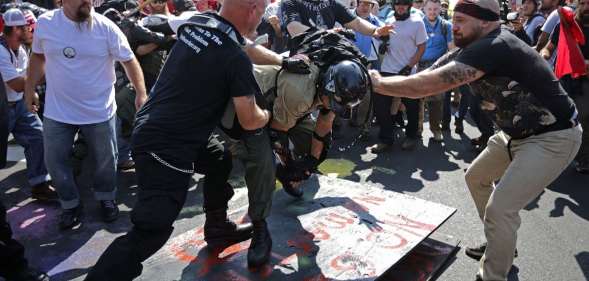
{"x":44,"y":192}
{"x":380,"y":148}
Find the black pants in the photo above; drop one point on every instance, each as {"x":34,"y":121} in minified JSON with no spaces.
{"x":412,"y":112}
{"x":162,"y":193}
{"x":12,"y":253}
{"x":382,"y":112}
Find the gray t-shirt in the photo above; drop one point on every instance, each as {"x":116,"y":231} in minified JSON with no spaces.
{"x":403,"y":45}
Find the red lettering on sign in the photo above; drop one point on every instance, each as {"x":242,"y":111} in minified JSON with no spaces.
{"x":347,"y":262}
{"x":339,"y":221}
{"x":373,"y":200}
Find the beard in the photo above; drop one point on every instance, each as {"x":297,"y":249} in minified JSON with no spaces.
{"x":402,"y":17}
{"x":462,"y":41}
{"x":83,"y":12}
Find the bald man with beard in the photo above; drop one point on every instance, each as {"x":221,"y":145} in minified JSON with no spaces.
{"x":173,"y":138}
{"x":539,"y":134}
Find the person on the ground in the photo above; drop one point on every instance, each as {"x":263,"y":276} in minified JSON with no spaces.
{"x":25,"y":126}
{"x":576,"y":87}
{"x":539,"y":134}
{"x":76,"y":49}
{"x":173,"y":138}
{"x":439,"y":42}
{"x":404,"y":51}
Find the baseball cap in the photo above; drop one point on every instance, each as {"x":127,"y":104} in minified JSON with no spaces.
{"x":14,"y":17}
{"x":30,"y":18}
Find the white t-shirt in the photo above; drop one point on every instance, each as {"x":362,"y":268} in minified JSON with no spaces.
{"x":79,"y":66}
{"x":13,"y":66}
{"x":403,"y":45}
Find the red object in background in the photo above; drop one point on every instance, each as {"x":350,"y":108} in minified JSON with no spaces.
{"x":1,"y":23}
{"x":569,"y":59}
{"x":206,"y":5}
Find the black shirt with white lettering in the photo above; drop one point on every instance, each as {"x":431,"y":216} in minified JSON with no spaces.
{"x":204,"y":70}
{"x":519,"y":90}
{"x":320,"y":14}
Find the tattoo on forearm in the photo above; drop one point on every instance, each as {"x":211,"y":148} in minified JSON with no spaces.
{"x":459,"y":73}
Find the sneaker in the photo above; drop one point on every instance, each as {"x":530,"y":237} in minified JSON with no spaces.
{"x":582,"y":167}
{"x":126,"y":165}
{"x":438,"y":137}
{"x":478,"y":252}
{"x":43,"y":192}
{"x":110,"y":210}
{"x":409,"y":144}
{"x":380,"y":148}
{"x":71,"y":217}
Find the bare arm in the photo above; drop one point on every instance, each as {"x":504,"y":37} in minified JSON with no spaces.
{"x":17,"y":84}
{"x":547,"y":51}
{"x":322,"y":128}
{"x":135,"y":75}
{"x":365,"y":27}
{"x":542,"y":41}
{"x":262,"y":56}
{"x":145,"y":49}
{"x":426,"y":83}
{"x":249,"y":114}
{"x":35,"y":72}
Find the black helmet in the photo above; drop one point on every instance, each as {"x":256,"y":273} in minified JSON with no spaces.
{"x":345,"y":83}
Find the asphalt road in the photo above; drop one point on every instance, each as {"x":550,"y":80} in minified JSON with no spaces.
{"x":553,"y":240}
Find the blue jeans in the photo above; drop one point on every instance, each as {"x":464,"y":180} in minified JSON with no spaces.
{"x":123,"y":144}
{"x":27,"y":130}
{"x":102,"y":143}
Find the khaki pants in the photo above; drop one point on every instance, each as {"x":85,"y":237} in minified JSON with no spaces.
{"x":537,"y":161}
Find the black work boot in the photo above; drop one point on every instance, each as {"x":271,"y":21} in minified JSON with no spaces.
{"x":261,"y":246}
{"x":220,"y":232}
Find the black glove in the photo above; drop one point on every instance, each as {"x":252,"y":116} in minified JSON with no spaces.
{"x":406,"y":71}
{"x":295,"y":65}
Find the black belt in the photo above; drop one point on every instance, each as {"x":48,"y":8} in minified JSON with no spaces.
{"x":12,"y":103}
{"x":558,"y":127}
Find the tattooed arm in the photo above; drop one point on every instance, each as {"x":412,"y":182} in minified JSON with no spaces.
{"x":426,"y":83}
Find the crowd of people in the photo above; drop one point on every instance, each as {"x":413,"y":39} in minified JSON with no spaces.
{"x":118,"y":79}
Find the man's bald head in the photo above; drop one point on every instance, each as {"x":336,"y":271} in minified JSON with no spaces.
{"x":245,"y":15}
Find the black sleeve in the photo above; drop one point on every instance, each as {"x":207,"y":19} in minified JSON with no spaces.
{"x":240,"y":77}
{"x":290,"y":12}
{"x":522,"y":35}
{"x":342,"y":14}
{"x":555,"y":35}
{"x":486,"y":55}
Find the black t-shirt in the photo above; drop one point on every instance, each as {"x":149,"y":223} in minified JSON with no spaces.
{"x":204,"y":70}
{"x":556,"y":35}
{"x":519,"y":90}
{"x":320,"y":14}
